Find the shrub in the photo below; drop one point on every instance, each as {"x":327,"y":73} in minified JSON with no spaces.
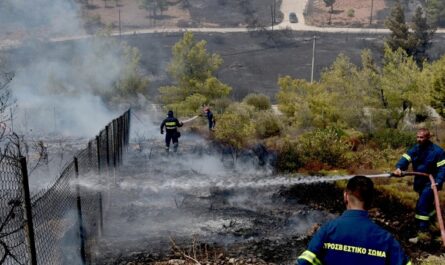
{"x":288,"y":158}
{"x":434,"y":260}
{"x":323,"y":145}
{"x":351,"y":12}
{"x":368,"y":158}
{"x":220,"y":104}
{"x":267,"y":124}
{"x":259,"y":101}
{"x":235,"y":126}
{"x":393,"y":138}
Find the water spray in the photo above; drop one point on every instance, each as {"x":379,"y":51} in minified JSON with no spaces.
{"x":191,"y":119}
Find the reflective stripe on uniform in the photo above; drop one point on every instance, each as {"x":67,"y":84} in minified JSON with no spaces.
{"x":170,"y":125}
{"x":432,"y":213}
{"x":409,"y":263}
{"x":310,"y":257}
{"x":422,"y":217}
{"x":441,"y":163}
{"x":407,"y":157}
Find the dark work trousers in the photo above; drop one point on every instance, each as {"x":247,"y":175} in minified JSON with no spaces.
{"x":425,"y":208}
{"x":171,"y":136}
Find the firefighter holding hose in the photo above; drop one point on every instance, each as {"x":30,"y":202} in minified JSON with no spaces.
{"x":353,"y":238}
{"x":171,"y":125}
{"x":425,"y":157}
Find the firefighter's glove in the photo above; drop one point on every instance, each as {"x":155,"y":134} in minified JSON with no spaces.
{"x":162,"y":132}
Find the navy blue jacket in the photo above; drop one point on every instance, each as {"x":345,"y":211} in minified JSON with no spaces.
{"x":171,"y":125}
{"x":353,"y":238}
{"x":428,"y":158}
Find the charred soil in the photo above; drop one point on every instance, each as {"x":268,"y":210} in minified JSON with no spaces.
{"x":180,"y":213}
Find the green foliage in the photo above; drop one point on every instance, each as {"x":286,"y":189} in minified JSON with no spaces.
{"x":235,"y":126}
{"x":399,"y":29}
{"x":420,"y":38}
{"x":131,"y":83}
{"x":392,"y":138}
{"x":288,"y":155}
{"x":220,"y":104}
{"x":433,"y":260}
{"x":193,"y":68}
{"x":323,"y":145}
{"x":306,"y":104}
{"x":259,"y":101}
{"x":267,"y":124}
{"x":436,"y":12}
{"x":327,"y":103}
{"x":436,"y":83}
{"x":351,"y":12}
{"x":190,"y":106}
{"x":341,"y":82}
{"x":402,"y":89}
{"x":414,"y":43}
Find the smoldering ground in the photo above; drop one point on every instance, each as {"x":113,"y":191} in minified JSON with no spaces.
{"x":197,"y":192}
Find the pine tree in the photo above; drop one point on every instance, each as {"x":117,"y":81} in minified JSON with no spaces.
{"x":420,"y":39}
{"x":399,"y":29}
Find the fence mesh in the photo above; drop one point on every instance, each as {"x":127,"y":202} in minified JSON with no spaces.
{"x":13,"y":248}
{"x":67,"y":217}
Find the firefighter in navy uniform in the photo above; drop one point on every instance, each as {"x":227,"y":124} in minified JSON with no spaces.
{"x":210,"y":118}
{"x":429,"y":158}
{"x":353,"y":238}
{"x":171,"y":125}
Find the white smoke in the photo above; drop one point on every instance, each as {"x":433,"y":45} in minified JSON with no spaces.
{"x":59,"y":87}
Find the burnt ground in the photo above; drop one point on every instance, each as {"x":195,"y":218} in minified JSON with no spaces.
{"x":254,"y":61}
{"x":161,"y":207}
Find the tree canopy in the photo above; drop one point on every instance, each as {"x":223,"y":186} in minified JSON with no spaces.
{"x":193,"y":70}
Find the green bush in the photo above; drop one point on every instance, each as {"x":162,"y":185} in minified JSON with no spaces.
{"x":288,"y":159}
{"x":219,"y":105}
{"x":325,"y":146}
{"x":351,"y":12}
{"x":393,"y":138}
{"x":267,"y":124}
{"x":259,"y":101}
{"x":433,"y":260}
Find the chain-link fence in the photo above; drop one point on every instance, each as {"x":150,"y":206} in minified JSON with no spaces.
{"x":62,"y":224}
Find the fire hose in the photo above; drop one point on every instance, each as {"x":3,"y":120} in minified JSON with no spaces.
{"x":435,"y":192}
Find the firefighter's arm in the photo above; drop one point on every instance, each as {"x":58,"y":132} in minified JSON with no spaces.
{"x":440,"y":178}
{"x":162,"y":127}
{"x":311,"y":254}
{"x":178,"y":123}
{"x":397,"y":255}
{"x":403,"y":163}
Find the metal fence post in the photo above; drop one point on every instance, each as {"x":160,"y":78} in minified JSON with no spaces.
{"x":28,"y":225}
{"x":128,"y":126}
{"x":107,"y":131}
{"x":98,"y":153}
{"x":120,"y":135}
{"x":114,"y":143}
{"x":101,"y":216}
{"x":90,"y":155}
{"x":79,"y":213}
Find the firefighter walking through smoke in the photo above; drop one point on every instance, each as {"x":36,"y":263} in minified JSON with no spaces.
{"x":353,"y":238}
{"x":429,"y":158}
{"x":171,"y":125}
